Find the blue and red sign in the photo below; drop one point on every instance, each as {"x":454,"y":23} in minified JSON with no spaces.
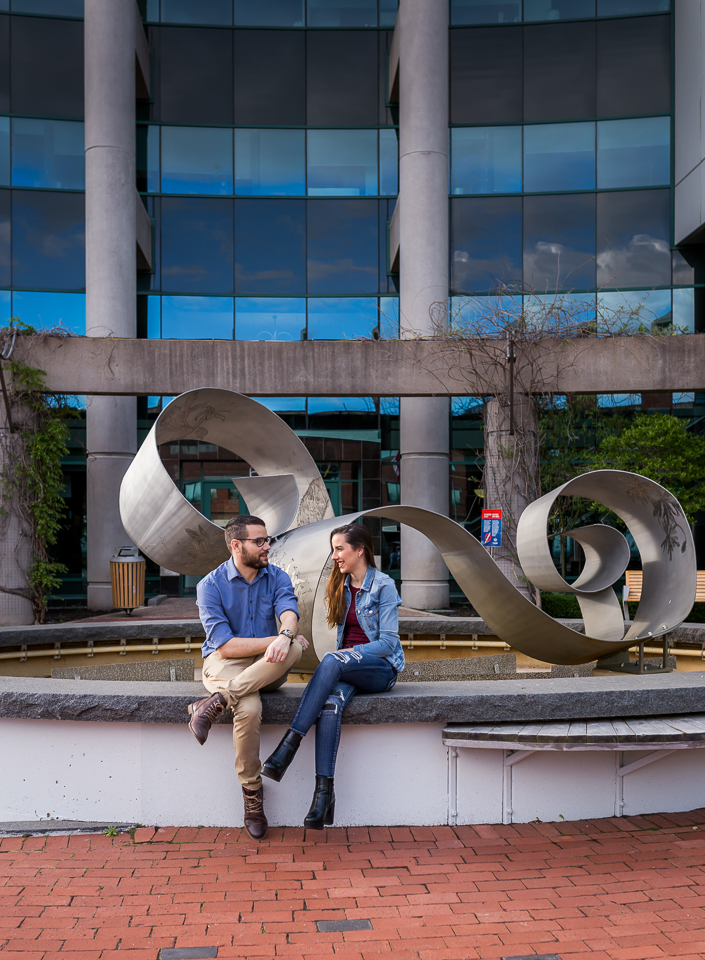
{"x":492,"y":528}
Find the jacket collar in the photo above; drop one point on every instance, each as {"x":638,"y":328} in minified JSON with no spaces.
{"x":367,"y":582}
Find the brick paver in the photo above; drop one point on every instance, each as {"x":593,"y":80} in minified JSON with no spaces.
{"x":616,"y":889}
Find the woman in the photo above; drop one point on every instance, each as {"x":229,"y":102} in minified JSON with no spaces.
{"x":361,"y":602}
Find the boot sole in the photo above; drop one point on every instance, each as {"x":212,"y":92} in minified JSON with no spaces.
{"x":272,"y":774}
{"x":320,"y":824}
{"x":190,"y":725}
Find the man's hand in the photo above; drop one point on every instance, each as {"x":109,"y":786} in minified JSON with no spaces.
{"x":277,"y":650}
{"x":303,"y":641}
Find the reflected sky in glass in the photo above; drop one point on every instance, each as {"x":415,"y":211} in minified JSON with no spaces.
{"x":270,"y":247}
{"x":52,"y":8}
{"x":558,"y":9}
{"x":389,"y":318}
{"x":559,"y":242}
{"x":634,"y":153}
{"x":561,"y":312}
{"x":48,"y":153}
{"x":197,"y":160}
{"x":44,"y":310}
{"x":197,"y":11}
{"x":559,"y":156}
{"x":283,"y":404}
{"x":486,"y":160}
{"x":270,"y":163}
{"x":341,"y":319}
{"x":273,"y":13}
{"x":5,"y":151}
{"x":5,"y":307}
{"x":197,"y":318}
{"x":618,"y":8}
{"x":341,"y":404}
{"x":388,"y":12}
{"x":485,"y":243}
{"x":628,"y":311}
{"x":485,"y":11}
{"x":492,"y":314}
{"x":5,"y":235}
{"x":48,"y":240}
{"x":633,"y":238}
{"x":343,"y":247}
{"x":197,"y":245}
{"x":684,"y":309}
{"x":270,"y":318}
{"x":153,"y":159}
{"x":388,"y":163}
{"x":342,"y":163}
{"x":154,"y":318}
{"x":341,"y":13}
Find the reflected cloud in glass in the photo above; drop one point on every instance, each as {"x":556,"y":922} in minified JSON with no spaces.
{"x":270,"y":318}
{"x":197,"y":318}
{"x":270,"y":163}
{"x":633,"y":239}
{"x":559,"y":242}
{"x":486,"y":160}
{"x":343,"y":252}
{"x":48,"y":240}
{"x":270,"y":247}
{"x":630,"y":311}
{"x":197,"y":160}
{"x":197,"y":245}
{"x":486,"y":247}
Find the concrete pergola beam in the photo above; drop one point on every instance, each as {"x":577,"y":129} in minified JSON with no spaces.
{"x":411,"y":368}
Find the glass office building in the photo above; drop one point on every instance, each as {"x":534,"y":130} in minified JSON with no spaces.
{"x":267,"y":160}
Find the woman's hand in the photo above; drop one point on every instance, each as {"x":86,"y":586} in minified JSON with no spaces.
{"x":303,"y":641}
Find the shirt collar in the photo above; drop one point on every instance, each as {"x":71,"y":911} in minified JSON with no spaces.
{"x":234,"y":573}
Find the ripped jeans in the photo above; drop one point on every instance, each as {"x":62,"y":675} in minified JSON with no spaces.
{"x":338,"y":677}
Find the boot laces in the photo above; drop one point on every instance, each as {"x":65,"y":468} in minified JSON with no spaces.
{"x":214,"y":710}
{"x":253,"y":802}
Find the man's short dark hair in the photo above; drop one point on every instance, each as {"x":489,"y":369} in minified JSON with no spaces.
{"x":236,"y":529}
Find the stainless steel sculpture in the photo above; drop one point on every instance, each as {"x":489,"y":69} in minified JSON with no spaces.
{"x":289,"y":494}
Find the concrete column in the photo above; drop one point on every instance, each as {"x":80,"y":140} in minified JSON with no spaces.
{"x":110,"y":267}
{"x":511,"y":475}
{"x":423,"y":277}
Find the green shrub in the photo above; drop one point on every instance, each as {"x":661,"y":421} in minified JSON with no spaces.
{"x":564,"y":605}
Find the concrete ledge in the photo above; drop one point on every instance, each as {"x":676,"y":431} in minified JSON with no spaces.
{"x":445,"y":702}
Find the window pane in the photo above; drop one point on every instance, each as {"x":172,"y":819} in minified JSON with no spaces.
{"x":270,"y":82}
{"x":485,"y":243}
{"x":634,"y":153}
{"x":617,"y":8}
{"x":4,"y":64}
{"x":197,"y":11}
{"x":486,"y":75}
{"x":4,"y":151}
{"x":632,"y":310}
{"x":388,"y":163}
{"x":48,"y":240}
{"x":197,"y":245}
{"x":283,"y":404}
{"x":633,"y":66}
{"x":197,"y":318}
{"x":48,"y":153}
{"x":558,"y":9}
{"x":388,"y":12}
{"x":342,"y":78}
{"x":633,"y":245}
{"x":5,"y":234}
{"x":194,"y":70}
{"x":683,"y":269}
{"x":154,"y":318}
{"x":270,"y":251}
{"x":267,"y":318}
{"x":389,"y":318}
{"x":342,"y":163}
{"x":486,"y":160}
{"x":485,"y":11}
{"x":342,"y":13}
{"x":559,"y":71}
{"x":42,"y":310}
{"x":52,"y":8}
{"x":559,"y":242}
{"x":197,"y":160}
{"x":274,"y":13}
{"x":148,"y":158}
{"x":559,"y":156}
{"x":5,"y":307}
{"x":338,"y":319}
{"x":684,"y":309}
{"x":47,"y":67}
{"x":270,"y":162}
{"x":342,"y":247}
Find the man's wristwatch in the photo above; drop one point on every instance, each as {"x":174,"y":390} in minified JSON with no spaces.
{"x":287,"y":633}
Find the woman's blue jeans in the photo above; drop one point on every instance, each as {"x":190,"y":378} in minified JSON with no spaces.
{"x":338,"y":677}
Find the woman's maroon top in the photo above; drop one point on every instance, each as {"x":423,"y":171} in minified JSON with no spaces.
{"x":354,"y":634}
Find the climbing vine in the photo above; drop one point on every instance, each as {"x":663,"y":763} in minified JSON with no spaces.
{"x":33,"y":441}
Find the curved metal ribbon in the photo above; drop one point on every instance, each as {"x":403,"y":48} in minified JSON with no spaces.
{"x":155,"y":515}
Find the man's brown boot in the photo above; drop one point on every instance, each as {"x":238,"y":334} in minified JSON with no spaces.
{"x":203,"y":713}
{"x":255,"y":820}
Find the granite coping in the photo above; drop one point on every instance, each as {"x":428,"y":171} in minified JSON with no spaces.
{"x":80,"y":632}
{"x":446,"y":702}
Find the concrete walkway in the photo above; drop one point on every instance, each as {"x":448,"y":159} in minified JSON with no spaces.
{"x":623,"y":889}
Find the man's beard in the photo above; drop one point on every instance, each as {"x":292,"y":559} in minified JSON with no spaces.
{"x":255,"y":561}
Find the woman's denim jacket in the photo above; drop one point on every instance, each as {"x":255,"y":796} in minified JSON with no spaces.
{"x":377,"y":602}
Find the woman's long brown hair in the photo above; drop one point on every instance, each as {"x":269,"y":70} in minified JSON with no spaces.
{"x":356,"y":536}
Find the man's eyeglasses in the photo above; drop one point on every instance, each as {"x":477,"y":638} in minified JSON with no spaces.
{"x":258,"y":541}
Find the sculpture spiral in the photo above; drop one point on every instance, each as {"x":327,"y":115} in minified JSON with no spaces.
{"x":290,"y":496}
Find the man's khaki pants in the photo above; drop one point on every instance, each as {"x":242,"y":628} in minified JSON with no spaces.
{"x":240,"y":682}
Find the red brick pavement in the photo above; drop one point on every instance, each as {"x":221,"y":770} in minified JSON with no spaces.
{"x":623,"y":889}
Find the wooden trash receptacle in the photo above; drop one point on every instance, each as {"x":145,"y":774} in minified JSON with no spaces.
{"x":127,"y":570}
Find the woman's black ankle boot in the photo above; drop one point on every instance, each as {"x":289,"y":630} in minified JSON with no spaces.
{"x":276,"y":766}
{"x":322,"y":806}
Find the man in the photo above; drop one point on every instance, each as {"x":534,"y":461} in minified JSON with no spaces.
{"x":238,"y":604}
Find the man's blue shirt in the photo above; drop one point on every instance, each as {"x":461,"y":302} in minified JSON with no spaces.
{"x":230,"y":607}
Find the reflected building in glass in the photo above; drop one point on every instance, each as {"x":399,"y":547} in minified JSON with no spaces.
{"x":267,"y":160}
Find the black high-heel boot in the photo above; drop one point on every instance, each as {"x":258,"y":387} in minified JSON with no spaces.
{"x":322,"y":806}
{"x":276,"y":766}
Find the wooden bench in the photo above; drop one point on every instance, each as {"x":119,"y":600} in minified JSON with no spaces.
{"x":632,"y":588}
{"x":660,"y":735}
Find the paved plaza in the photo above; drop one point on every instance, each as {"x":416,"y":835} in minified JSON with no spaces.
{"x":623,"y":889}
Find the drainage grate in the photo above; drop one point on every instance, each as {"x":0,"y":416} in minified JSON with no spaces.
{"x":191,"y":953}
{"x":339,"y":926}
